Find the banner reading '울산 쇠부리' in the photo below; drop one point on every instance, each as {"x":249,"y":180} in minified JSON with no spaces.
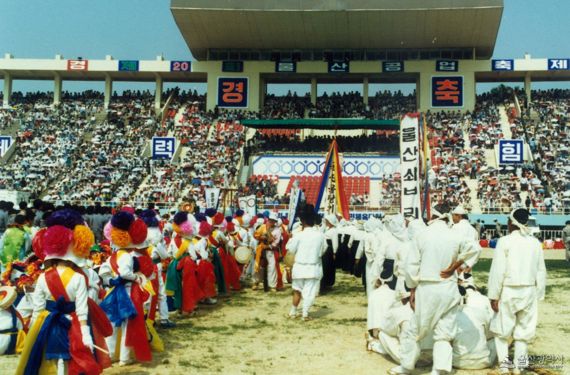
{"x":410,"y":163}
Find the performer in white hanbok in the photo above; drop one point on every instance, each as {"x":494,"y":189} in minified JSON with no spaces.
{"x":383,"y":298}
{"x":517,"y":281}
{"x":473,"y":346}
{"x":373,"y":239}
{"x":430,"y":271}
{"x":462,"y":226}
{"x":309,"y":245}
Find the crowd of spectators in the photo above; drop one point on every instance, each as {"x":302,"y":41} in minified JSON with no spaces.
{"x":49,"y":138}
{"x":290,"y":106}
{"x":378,"y":143}
{"x":383,"y":105}
{"x":339,"y":105}
{"x":549,"y":138}
{"x":388,"y":105}
{"x":111,"y":165}
{"x":390,"y":188}
{"x":451,"y":160}
{"x":67,"y":154}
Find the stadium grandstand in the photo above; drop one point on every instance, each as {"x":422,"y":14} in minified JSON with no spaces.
{"x":96,"y":148}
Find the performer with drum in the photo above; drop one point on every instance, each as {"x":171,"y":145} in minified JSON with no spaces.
{"x":267,"y":254}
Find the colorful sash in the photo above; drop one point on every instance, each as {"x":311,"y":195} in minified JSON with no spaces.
{"x":60,"y":337}
{"x":117,"y":304}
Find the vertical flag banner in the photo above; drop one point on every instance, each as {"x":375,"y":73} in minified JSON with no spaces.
{"x":295,"y":198}
{"x":212,"y":197}
{"x":410,"y":164}
{"x":332,"y":172}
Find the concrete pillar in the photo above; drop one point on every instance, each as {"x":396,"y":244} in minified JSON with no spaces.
{"x":108,"y":90}
{"x":262,"y":92}
{"x":212,"y":89}
{"x":255,"y":101}
{"x":313,"y":91}
{"x":418,"y":93}
{"x":57,"y":88}
{"x":365,"y":90}
{"x":7,"y":90}
{"x":158,"y":93}
{"x":527,"y":86}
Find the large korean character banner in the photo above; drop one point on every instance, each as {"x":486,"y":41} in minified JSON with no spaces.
{"x":233,"y":92}
{"x":410,"y":165}
{"x":447,"y":91}
{"x":511,"y":151}
{"x":163,"y":147}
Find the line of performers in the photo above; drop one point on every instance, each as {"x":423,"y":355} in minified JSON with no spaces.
{"x":423,"y":301}
{"x":73,"y":306}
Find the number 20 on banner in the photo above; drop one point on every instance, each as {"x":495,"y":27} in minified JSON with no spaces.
{"x":232,"y":92}
{"x":180,"y":66}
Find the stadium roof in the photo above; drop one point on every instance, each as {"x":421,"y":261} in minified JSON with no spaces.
{"x":334,"y":24}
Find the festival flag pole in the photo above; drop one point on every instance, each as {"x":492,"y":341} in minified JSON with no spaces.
{"x":324,"y":179}
{"x":332,"y":174}
{"x":426,"y":168}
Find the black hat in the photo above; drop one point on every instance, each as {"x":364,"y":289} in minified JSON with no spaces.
{"x":521,"y":215}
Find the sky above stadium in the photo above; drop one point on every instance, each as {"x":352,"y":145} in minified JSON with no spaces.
{"x":144,"y":29}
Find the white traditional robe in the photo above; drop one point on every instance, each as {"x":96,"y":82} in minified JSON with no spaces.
{"x":308,"y":247}
{"x":437,"y":299}
{"x":472,"y":347}
{"x":383,"y":298}
{"x":517,"y":279}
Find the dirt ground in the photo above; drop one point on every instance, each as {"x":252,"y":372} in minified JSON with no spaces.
{"x":248,"y":333}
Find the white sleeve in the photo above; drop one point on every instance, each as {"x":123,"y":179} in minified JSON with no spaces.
{"x":125,"y":265}
{"x":412,"y":267}
{"x":541,"y":277}
{"x":172,"y":249}
{"x":160,"y":249}
{"x":293,"y":244}
{"x":202,"y":249}
{"x":369,"y":245}
{"x":105,"y":272}
{"x":378,"y":262}
{"x":335,"y":240}
{"x":39,"y":297}
{"x":192,"y":251}
{"x":497,"y":272}
{"x":469,"y":252}
{"x":81,"y":297}
{"x":323,"y":245}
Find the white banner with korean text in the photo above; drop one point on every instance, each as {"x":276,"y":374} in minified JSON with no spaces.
{"x":410,"y":164}
{"x":212,"y":197}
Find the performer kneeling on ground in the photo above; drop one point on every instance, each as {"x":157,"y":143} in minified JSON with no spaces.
{"x":309,"y":245}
